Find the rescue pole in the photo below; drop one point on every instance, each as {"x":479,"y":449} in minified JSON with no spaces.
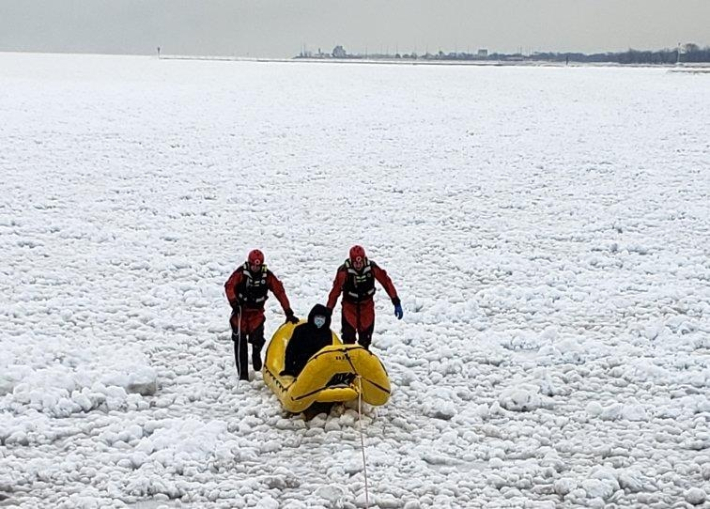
{"x":239,"y":345}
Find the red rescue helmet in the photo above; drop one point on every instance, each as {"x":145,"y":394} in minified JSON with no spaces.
{"x":255,"y":257}
{"x":357,"y":254}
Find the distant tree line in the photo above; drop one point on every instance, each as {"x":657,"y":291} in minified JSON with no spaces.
{"x":689,"y":53}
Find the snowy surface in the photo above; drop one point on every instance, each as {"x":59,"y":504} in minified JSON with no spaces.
{"x":547,"y":228}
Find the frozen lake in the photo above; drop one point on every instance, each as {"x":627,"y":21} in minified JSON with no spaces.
{"x":546,"y":228}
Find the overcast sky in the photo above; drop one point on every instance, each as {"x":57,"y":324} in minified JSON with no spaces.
{"x":280,"y":28}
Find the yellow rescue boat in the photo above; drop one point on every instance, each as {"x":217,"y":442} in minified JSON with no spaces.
{"x":336,"y":373}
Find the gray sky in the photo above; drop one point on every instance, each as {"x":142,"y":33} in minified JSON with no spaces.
{"x":280,"y":28}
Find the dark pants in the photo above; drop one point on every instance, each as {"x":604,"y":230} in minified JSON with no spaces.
{"x":241,"y":350}
{"x":364,"y":335}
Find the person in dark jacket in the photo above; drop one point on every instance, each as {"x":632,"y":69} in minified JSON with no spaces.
{"x":247,"y":290}
{"x":307,"y":339}
{"x":355,"y":279}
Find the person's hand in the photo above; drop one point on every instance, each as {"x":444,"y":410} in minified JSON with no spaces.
{"x":398,"y":311}
{"x":236,"y":308}
{"x":290,"y":317}
{"x":398,"y":308}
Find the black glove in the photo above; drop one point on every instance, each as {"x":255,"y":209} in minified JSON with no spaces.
{"x":290,"y":317}
{"x":235,"y":306}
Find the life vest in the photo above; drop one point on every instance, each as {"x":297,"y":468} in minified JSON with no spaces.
{"x":252,"y":291}
{"x":359,"y":285}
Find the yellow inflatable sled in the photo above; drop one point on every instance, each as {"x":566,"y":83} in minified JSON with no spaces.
{"x":336,"y":373}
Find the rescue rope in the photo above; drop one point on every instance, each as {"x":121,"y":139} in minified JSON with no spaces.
{"x":362,"y":441}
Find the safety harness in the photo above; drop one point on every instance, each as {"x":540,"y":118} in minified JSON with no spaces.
{"x":253,"y":290}
{"x":359,"y":285}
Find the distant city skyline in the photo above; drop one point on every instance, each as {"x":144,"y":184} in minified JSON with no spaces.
{"x":283,"y":28}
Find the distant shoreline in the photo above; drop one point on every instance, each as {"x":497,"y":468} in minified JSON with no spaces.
{"x":684,"y":67}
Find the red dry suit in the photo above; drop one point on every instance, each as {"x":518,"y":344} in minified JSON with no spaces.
{"x":249,"y":290}
{"x":358,"y":288}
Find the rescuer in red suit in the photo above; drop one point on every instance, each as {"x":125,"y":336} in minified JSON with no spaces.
{"x":355,"y":279}
{"x":246,"y":291}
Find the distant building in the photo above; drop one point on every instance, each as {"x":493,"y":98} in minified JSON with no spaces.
{"x":483,"y":53}
{"x":339,"y":52}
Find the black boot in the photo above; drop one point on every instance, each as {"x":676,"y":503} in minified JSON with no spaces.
{"x":365,"y":342}
{"x":365,"y":337}
{"x":256,"y":359}
{"x":257,"y":343}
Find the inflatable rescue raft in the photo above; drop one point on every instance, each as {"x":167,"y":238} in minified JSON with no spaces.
{"x":336,"y":373}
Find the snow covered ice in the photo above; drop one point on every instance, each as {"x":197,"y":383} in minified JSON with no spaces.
{"x":546,"y":228}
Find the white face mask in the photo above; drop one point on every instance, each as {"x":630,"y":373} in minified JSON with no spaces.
{"x":319,"y":321}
